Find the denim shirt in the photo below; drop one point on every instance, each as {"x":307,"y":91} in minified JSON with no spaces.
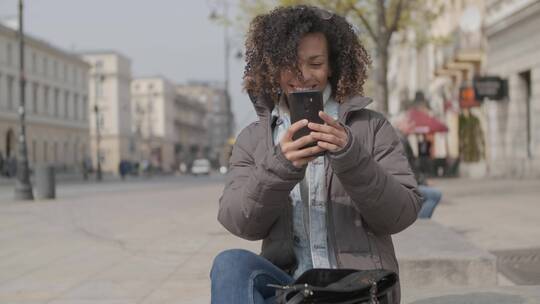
{"x":309,"y":200}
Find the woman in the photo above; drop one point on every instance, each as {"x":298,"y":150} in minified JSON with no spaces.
{"x":333,"y":211}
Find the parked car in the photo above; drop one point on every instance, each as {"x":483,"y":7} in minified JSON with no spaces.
{"x":201,"y":166}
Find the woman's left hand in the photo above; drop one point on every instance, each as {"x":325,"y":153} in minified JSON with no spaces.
{"x":331,"y":136}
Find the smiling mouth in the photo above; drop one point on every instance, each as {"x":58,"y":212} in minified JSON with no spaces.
{"x":301,"y":89}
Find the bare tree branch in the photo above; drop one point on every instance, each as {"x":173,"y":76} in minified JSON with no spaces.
{"x":360,"y":14}
{"x":397,"y":16}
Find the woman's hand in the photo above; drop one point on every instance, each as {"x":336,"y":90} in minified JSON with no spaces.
{"x":293,"y":149}
{"x":331,"y":136}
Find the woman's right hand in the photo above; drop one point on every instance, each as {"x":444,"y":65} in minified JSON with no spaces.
{"x":292,"y":149}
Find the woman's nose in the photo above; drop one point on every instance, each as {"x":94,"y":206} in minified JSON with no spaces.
{"x":305,"y":74}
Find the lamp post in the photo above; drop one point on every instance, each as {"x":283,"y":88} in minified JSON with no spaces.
{"x":23,"y":188}
{"x":97,"y":81}
{"x":227,"y":49}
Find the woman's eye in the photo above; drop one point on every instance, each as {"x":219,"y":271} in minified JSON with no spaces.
{"x":316,"y":64}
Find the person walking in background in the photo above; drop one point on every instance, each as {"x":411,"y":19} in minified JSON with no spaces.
{"x":424,"y":154}
{"x":432,"y":196}
{"x":338,"y":210}
{"x":1,"y":164}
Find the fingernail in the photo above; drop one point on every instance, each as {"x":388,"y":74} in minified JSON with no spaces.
{"x":305,"y":122}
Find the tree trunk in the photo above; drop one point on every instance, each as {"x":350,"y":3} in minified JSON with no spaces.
{"x":381,"y":62}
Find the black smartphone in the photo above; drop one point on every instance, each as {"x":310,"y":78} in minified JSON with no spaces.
{"x":305,"y":105}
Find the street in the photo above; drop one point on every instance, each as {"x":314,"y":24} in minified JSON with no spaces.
{"x":153,"y":240}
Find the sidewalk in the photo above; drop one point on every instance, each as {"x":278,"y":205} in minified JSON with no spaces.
{"x":153,"y":242}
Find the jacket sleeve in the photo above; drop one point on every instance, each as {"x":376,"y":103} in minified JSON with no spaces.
{"x":255,"y":190}
{"x":380,"y":182}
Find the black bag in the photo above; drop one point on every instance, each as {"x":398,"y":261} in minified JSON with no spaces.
{"x":344,"y":286}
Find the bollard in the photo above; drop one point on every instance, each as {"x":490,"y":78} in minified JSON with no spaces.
{"x":45,"y":182}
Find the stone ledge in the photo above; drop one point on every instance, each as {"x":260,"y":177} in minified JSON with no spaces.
{"x":485,"y":295}
{"x":432,"y":256}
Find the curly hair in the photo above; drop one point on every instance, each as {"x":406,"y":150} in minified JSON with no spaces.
{"x":272,"y":43}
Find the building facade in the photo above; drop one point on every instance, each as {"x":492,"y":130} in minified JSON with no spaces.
{"x":441,"y":62}
{"x":56,"y":94}
{"x":219,"y":119}
{"x":109,"y":108}
{"x":191,"y":129}
{"x":153,"y":111}
{"x":513,"y":134}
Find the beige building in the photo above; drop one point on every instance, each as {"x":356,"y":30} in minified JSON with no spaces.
{"x":109,"y":90}
{"x":219,"y":119}
{"x":56,"y":102}
{"x":154,"y":112}
{"x":512,"y":28}
{"x":190,"y":127}
{"x":169,"y":126}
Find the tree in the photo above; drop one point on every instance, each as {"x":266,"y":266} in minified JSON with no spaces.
{"x":379,"y":19}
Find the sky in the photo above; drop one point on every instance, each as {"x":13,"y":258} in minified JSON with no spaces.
{"x":172,"y":38}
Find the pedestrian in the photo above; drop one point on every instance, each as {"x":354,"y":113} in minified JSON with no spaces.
{"x":334,"y":211}
{"x":432,"y":196}
{"x":424,"y":154}
{"x":123,"y":169}
{"x":1,"y":164}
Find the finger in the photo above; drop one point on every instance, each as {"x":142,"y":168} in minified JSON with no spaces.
{"x":301,"y":142}
{"x":329,"y":138}
{"x":307,"y":152}
{"x":328,"y":146}
{"x":294,"y":128}
{"x":327,"y":129}
{"x":329,"y":119}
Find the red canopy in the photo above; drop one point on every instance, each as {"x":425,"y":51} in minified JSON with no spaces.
{"x":423,"y":123}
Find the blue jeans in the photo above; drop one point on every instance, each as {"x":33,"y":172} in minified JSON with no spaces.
{"x":240,"y":277}
{"x":432,"y":197}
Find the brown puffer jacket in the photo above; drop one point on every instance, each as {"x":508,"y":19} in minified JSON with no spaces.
{"x":372,"y":192}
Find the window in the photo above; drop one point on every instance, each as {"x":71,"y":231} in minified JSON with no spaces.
{"x":66,"y":104}
{"x":10,"y":102}
{"x":34,"y":151}
{"x":35,"y":97}
{"x":45,"y":151}
{"x":55,"y":152}
{"x":525,"y":79}
{"x":66,"y":152}
{"x":46,"y":100}
{"x":34,"y":62}
{"x":9,"y":54}
{"x":99,"y":80}
{"x":76,"y":106}
{"x":45,"y":64}
{"x":65,"y":72}
{"x":55,"y":69}
{"x":84,"y":106}
{"x":56,"y":101}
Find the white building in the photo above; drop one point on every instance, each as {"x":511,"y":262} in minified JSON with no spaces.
{"x":56,"y":102}
{"x":109,"y":89}
{"x":513,"y":34}
{"x":154,"y":112}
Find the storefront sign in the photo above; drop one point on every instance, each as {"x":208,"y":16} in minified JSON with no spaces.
{"x":491,"y":87}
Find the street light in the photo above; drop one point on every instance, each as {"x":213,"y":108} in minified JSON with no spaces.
{"x":98,"y":139}
{"x":23,"y":188}
{"x":98,"y":79}
{"x":214,"y":15}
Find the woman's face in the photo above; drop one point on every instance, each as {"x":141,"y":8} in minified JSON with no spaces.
{"x":313,"y":64}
